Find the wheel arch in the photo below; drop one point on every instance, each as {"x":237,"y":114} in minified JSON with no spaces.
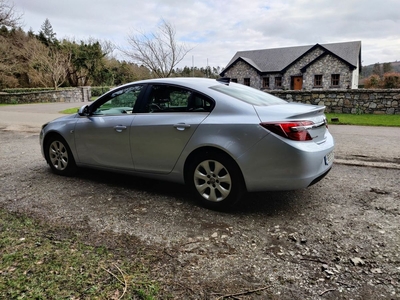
{"x":209,"y":149}
{"x":62,"y":161}
{"x":46,"y":139}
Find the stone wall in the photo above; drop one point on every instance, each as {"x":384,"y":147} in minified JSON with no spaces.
{"x":360,"y":101}
{"x":80,"y":94}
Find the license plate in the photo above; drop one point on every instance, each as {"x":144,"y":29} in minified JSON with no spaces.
{"x":329,"y":158}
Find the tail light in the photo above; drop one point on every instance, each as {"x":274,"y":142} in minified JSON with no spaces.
{"x":296,"y":130}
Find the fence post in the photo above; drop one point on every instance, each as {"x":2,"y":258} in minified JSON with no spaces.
{"x":86,"y":93}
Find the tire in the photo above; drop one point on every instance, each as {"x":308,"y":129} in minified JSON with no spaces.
{"x":215,"y":180}
{"x":59,"y":156}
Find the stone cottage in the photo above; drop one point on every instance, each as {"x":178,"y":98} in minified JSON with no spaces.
{"x":319,"y":66}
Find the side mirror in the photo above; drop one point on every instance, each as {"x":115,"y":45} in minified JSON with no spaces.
{"x":84,"y":110}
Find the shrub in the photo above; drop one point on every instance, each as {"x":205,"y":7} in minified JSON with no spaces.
{"x":372,"y":82}
{"x":391,"y":80}
{"x":28,"y":90}
{"x":95,"y":90}
{"x":99,"y":90}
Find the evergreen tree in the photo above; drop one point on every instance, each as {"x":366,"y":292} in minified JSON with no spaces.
{"x":387,"y":67}
{"x":46,"y":35}
{"x":377,"y":69}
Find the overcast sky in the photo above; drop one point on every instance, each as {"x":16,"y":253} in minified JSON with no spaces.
{"x":217,"y":29}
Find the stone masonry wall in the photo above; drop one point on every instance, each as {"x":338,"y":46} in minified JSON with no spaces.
{"x":324,"y":66}
{"x":355,"y":101}
{"x":242,"y":70}
{"x":80,"y":94}
{"x":295,"y":70}
{"x":327,"y":66}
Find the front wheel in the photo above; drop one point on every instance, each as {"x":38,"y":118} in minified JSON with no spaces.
{"x":59,"y":156}
{"x":216,"y":180}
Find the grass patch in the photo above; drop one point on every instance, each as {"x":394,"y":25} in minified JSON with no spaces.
{"x":9,"y":104}
{"x":70,"y":111}
{"x":40,"y":261}
{"x":364,"y":119}
{"x":74,"y":110}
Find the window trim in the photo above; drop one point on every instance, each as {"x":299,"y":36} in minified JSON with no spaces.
{"x":278,"y":79}
{"x":181,"y":109}
{"x":112,"y":94}
{"x":266,"y":80}
{"x":333,"y":80}
{"x":318,"y":77}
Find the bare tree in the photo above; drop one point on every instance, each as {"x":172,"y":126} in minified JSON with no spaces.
{"x":8,"y":16}
{"x":48,"y":64}
{"x":158,"y":51}
{"x":108,"y":48}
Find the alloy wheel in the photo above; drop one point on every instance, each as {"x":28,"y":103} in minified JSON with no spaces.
{"x":58,"y":155}
{"x":212,"y":180}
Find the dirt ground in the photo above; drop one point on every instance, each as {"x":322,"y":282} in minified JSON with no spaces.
{"x":339,"y":239}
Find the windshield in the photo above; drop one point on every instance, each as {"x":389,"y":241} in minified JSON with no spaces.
{"x":248,"y":94}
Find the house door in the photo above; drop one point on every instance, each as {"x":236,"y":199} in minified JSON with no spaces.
{"x":297,"y":82}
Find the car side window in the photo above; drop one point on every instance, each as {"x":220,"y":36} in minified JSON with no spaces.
{"x":164,"y":98}
{"x":199,"y":103}
{"x":120,"y":102}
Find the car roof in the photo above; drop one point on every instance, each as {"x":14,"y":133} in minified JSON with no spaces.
{"x":191,"y":82}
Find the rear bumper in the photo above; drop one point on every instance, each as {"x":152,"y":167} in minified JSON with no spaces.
{"x":284,"y":164}
{"x":319,"y":178}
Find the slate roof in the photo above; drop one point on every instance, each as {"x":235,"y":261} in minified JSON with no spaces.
{"x":277,"y":59}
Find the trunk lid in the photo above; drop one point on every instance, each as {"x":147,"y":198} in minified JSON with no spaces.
{"x":291,"y":112}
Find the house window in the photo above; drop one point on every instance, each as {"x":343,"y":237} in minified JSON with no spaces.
{"x":318,"y":80}
{"x":234,"y":80}
{"x":335,"y":79}
{"x":278,"y":82}
{"x":246,"y":81}
{"x":265,"y":84}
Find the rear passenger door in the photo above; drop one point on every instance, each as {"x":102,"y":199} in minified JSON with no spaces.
{"x":159,"y":135}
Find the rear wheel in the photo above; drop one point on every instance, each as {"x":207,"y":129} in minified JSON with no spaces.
{"x":215,"y":180}
{"x":59,"y":156}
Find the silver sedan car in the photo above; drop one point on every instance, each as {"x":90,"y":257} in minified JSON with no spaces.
{"x":219,"y":138}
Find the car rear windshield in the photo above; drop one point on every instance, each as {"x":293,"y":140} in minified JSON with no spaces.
{"x":248,"y":94}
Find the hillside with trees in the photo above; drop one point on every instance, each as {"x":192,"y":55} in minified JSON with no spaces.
{"x":381,"y":75}
{"x":33,"y":60}
{"x":380,"y":68}
{"x":29,"y":60}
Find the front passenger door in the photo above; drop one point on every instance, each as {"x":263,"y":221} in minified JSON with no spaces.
{"x":102,"y":138}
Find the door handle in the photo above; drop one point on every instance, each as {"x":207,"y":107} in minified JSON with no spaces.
{"x":181,"y":126}
{"x":119,"y":128}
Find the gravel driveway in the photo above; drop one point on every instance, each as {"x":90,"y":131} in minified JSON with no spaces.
{"x":339,"y":239}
